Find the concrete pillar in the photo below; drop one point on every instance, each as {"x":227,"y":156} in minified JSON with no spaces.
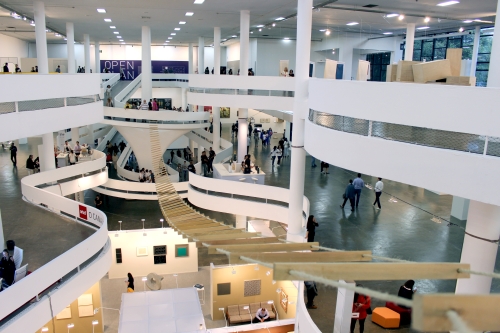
{"x":483,"y":221}
{"x":494,"y":71}
{"x":184,"y":98}
{"x":201,"y":55}
{"x":70,"y":36}
{"x":216,"y":109}
{"x":75,"y":136}
{"x":244,"y":61}
{"x":200,"y":150}
{"x":80,"y":197}
{"x":190,"y":58}
{"x":460,"y":208}
{"x":241,"y":222}
{"x":191,"y":147}
{"x":41,"y":38}
{"x":86,"y":50}
{"x":475,"y":51}
{"x":410,"y":40}
{"x":46,"y":151}
{"x":90,"y":131}
{"x":147,"y":81}
{"x":300,"y":110}
{"x":2,"y":239}
{"x":97,"y":58}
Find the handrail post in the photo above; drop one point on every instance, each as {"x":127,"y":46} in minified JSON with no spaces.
{"x":370,"y":124}
{"x":485,"y":146}
{"x":16,"y":106}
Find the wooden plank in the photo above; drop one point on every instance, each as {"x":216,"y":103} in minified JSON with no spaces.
{"x":198,"y":226}
{"x":309,"y":257}
{"x":222,"y":227}
{"x":431,"y":71}
{"x":223,"y":237}
{"x":455,"y":58}
{"x":265,"y":248}
{"x":215,"y":232}
{"x":479,"y":312}
{"x":374,"y":271}
{"x":190,"y":221}
{"x":255,"y":241}
{"x":392,"y":71}
{"x":461,"y":81}
{"x":404,"y":71}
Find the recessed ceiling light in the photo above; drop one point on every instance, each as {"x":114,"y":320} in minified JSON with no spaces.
{"x":322,"y":30}
{"x":118,"y":36}
{"x":173,"y":34}
{"x":101,"y":10}
{"x":107,"y":20}
{"x":274,"y":24}
{"x":121,"y":40}
{"x":112,"y":27}
{"x":448,"y":3}
{"x":260,"y":29}
{"x":234,"y":36}
{"x":169,"y":37}
{"x":327,"y":32}
{"x":177,"y":29}
{"x":423,"y":28}
{"x":427,"y":19}
{"x":401,"y":17}
{"x":392,"y":15}
{"x":32,"y":23}
{"x":280,"y":19}
{"x":387,"y":33}
{"x":286,"y":38}
{"x":198,"y":2}
{"x":461,"y":29}
{"x":116,"y":32}
{"x":468,"y":21}
{"x":167,"y":41}
{"x":182,"y":22}
{"x":189,"y":14}
{"x":352,"y":23}
{"x":260,"y":26}
{"x":123,"y":43}
{"x":224,"y":40}
{"x":251,"y":32}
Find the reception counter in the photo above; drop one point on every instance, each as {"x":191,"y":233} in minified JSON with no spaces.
{"x":221,"y":171}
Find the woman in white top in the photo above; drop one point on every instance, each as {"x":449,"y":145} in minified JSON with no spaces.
{"x":286,"y":153}
{"x":279,"y":154}
{"x":115,"y":160}
{"x":72,"y":158}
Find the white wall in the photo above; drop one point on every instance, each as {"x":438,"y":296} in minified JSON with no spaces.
{"x":61,"y":51}
{"x":233,"y":52}
{"x":129,"y":240}
{"x":13,"y":48}
{"x":269,"y":54}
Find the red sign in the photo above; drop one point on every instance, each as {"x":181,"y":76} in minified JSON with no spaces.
{"x":83,"y":212}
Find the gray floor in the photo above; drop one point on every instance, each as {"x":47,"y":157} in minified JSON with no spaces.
{"x":402,"y":229}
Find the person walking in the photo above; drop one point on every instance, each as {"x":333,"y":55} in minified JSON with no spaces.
{"x":98,"y":202}
{"x":155,"y":105}
{"x":77,"y":150}
{"x":361,"y":303}
{"x":185,"y":171}
{"x":358,"y":186}
{"x":312,"y":292}
{"x":273,"y":155}
{"x":349,"y":194}
{"x":379,"y":186}
{"x":172,"y":155}
{"x":30,"y":165}
{"x":13,"y":153}
{"x":311,"y":228}
{"x":248,"y":144}
{"x":114,"y":158}
{"x":313,"y":163}
{"x":130,"y":283}
{"x":279,"y":154}
{"x":144,"y":106}
{"x":204,"y":163}
{"x":324,"y":168}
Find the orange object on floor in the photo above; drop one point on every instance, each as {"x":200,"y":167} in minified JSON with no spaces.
{"x":386,"y":318}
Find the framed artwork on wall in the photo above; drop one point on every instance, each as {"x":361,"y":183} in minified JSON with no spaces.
{"x":142,"y":251}
{"x":160,"y":254}
{"x":182,"y":250}
{"x":65,"y":313}
{"x":251,"y":288}
{"x":284,"y":300}
{"x":223,"y":289}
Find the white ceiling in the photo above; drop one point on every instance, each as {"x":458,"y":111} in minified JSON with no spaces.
{"x":163,"y":16}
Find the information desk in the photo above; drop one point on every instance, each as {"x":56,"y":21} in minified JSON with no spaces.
{"x":221,"y":171}
{"x":62,"y":160}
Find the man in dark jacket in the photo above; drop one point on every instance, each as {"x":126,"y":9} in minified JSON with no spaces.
{"x":30,"y":165}
{"x":349,"y":194}
{"x":13,"y":153}
{"x":312,"y":292}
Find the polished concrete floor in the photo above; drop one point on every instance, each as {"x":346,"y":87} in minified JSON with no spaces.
{"x":401,"y":229}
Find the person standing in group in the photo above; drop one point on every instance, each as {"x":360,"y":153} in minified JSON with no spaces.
{"x":114,"y":158}
{"x":248,"y":144}
{"x":311,"y":228}
{"x":379,"y":187}
{"x":77,"y":150}
{"x":155,"y":105}
{"x":130,"y":283}
{"x":249,"y":129}
{"x":30,"y":165}
{"x":358,"y":186}
{"x":172,"y":155}
{"x":185,"y":171}
{"x":144,"y":105}
{"x":191,"y":167}
{"x":13,"y":153}
{"x":204,"y":163}
{"x":98,"y":202}
{"x":286,"y":151}
{"x":72,"y":158}
{"x":6,"y":68}
{"x":273,"y":155}
{"x":211,"y":157}
{"x":312,"y":292}
{"x":361,"y":303}
{"x":324,"y":168}
{"x":18,"y":70}
{"x":349,"y":194}
{"x":150,"y":104}
{"x":58,"y":69}
{"x":279,"y":154}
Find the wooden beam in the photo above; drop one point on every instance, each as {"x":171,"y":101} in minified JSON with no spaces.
{"x":309,"y":257}
{"x":265,"y":248}
{"x":199,"y":225}
{"x":224,"y":237}
{"x":479,"y":312}
{"x":374,"y":271}
{"x":255,"y":241}
{"x":222,"y":227}
{"x":215,"y":232}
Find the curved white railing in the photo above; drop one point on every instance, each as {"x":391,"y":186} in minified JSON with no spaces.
{"x":108,"y":137}
{"x":74,"y":271}
{"x":109,"y":79}
{"x":261,"y":201}
{"x":303,"y":321}
{"x":136,"y":190}
{"x":256,"y":92}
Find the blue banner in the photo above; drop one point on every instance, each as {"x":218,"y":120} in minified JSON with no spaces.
{"x":130,"y":69}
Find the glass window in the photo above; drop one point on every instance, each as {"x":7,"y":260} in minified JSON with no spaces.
{"x":417,"y":45}
{"x":485,"y":44}
{"x":481,"y":78}
{"x":484,"y":57}
{"x":416,"y":55}
{"x":439,"y":54}
{"x":426,"y":58}
{"x":455,"y":43}
{"x":468,"y":40}
{"x":482,"y":66}
{"x":427,"y":49}
{"x":466,"y":53}
{"x":440,"y":42}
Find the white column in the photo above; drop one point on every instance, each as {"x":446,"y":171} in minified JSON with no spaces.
{"x":90,"y":131}
{"x":494,"y":71}
{"x":70,"y":36}
{"x":483,"y":221}
{"x":97,"y":58}
{"x":460,"y":208}
{"x":147,"y":81}
{"x":191,"y":147}
{"x":2,"y":239}
{"x":41,"y":38}
{"x":190,"y":58}
{"x":216,"y":109}
{"x":300,"y":109}
{"x":86,"y":51}
{"x":244,"y":56}
{"x":75,"y":136}
{"x":80,"y":197}
{"x":475,"y":51}
{"x":184,"y":98}
{"x":201,"y":55}
{"x":410,"y":40}
{"x":241,"y":222}
{"x":47,"y":158}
